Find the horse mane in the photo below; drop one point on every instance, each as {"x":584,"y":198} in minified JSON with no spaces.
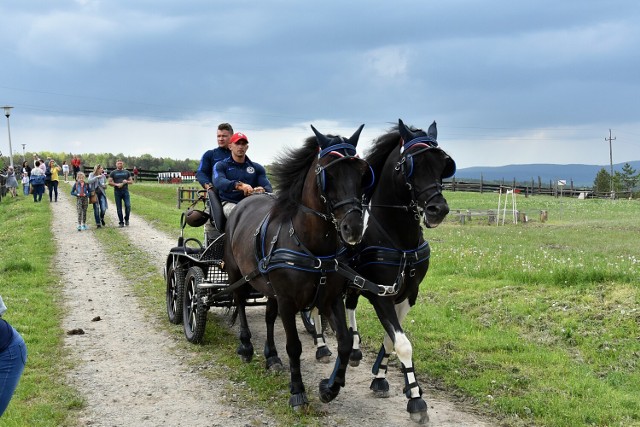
{"x":289,"y":172}
{"x":382,"y":146}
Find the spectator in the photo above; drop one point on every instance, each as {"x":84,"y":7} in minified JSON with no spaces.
{"x":54,"y":170}
{"x":65,"y":170}
{"x":204,"y":174}
{"x":75,"y":164}
{"x":12,"y":182}
{"x":237,"y":177}
{"x":120,"y":179}
{"x":98,"y":183}
{"x":13,"y":357}
{"x":25,"y":183}
{"x":136,"y":172}
{"x":37,"y":182}
{"x":26,"y":168}
{"x":81,"y":190}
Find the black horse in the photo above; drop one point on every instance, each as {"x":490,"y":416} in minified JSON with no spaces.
{"x":286,"y":248}
{"x":409,"y":168}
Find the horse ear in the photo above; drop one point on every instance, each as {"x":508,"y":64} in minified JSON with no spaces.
{"x":354,"y":138}
{"x":433,"y":131}
{"x":323,"y":141}
{"x":405,"y":133}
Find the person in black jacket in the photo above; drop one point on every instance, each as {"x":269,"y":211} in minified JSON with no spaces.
{"x":13,"y":357}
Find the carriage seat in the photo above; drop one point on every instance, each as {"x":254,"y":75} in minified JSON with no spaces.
{"x":216,"y":214}
{"x":185,"y":250}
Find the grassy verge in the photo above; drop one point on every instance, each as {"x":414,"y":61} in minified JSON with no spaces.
{"x":31,"y":290}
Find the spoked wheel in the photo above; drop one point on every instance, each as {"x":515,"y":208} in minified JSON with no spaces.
{"x":195,"y":311}
{"x":175,"y":293}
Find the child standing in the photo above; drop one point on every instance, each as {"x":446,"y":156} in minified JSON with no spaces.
{"x":65,"y":170}
{"x":81,"y":190}
{"x":25,"y":183}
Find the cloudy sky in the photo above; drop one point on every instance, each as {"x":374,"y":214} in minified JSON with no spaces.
{"x":508,"y":82}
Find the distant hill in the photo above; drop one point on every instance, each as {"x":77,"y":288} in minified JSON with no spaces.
{"x":581,"y":175}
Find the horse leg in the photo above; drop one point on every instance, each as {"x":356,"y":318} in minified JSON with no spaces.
{"x":416,"y":406}
{"x":298,"y":399}
{"x":323,"y":353}
{"x":379,"y":384}
{"x":245,"y":348}
{"x":396,"y":338}
{"x":272,"y":361}
{"x":329,"y":388}
{"x":351,"y":302}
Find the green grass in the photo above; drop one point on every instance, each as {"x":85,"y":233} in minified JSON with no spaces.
{"x":537,"y":324}
{"x":31,"y":290}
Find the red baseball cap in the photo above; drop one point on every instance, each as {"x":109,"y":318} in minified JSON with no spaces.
{"x":237,"y":137}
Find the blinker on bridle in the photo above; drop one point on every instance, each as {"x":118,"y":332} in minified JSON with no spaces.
{"x":349,"y":154}
{"x":405,"y":165}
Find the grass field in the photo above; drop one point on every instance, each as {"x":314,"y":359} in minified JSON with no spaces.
{"x":537,"y":323}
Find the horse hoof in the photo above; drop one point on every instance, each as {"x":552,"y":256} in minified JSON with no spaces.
{"x":245,"y":353}
{"x":323,"y":355}
{"x":298,"y":402}
{"x":354,"y":358}
{"x":326,"y":393}
{"x":274,"y":364}
{"x":380,"y":388}
{"x":417,"y":409}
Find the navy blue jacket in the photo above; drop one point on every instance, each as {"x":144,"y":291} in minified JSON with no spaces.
{"x":209,"y":159}
{"x":227,"y":173}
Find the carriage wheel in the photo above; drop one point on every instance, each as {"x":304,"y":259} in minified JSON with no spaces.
{"x":195,"y":311}
{"x":175,"y":293}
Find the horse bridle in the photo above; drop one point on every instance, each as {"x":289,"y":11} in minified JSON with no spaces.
{"x":332,"y":206}
{"x":405,"y":166}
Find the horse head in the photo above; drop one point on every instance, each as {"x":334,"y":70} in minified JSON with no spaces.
{"x":423,"y":166}
{"x":339,"y":175}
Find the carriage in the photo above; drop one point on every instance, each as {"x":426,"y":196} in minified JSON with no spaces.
{"x":194,"y":272}
{"x":195,"y":277}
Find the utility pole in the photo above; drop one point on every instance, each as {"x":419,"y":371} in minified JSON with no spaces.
{"x":610,"y":160}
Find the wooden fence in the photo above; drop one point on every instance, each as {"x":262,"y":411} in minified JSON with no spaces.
{"x":533,"y":188}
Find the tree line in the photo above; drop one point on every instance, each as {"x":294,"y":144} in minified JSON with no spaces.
{"x":623,"y":181}
{"x":108,"y":161}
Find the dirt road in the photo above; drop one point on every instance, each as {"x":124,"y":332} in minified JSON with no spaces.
{"x":132,"y":373}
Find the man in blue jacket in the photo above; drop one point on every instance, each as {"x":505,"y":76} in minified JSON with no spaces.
{"x":211,"y":157}
{"x":238,"y":177}
{"x":204,"y":174}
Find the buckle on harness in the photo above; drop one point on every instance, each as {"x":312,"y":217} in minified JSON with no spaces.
{"x":359,"y":282}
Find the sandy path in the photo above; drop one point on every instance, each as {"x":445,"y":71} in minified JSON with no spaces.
{"x":132,"y":377}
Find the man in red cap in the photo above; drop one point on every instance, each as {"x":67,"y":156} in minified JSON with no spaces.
{"x":237,"y":177}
